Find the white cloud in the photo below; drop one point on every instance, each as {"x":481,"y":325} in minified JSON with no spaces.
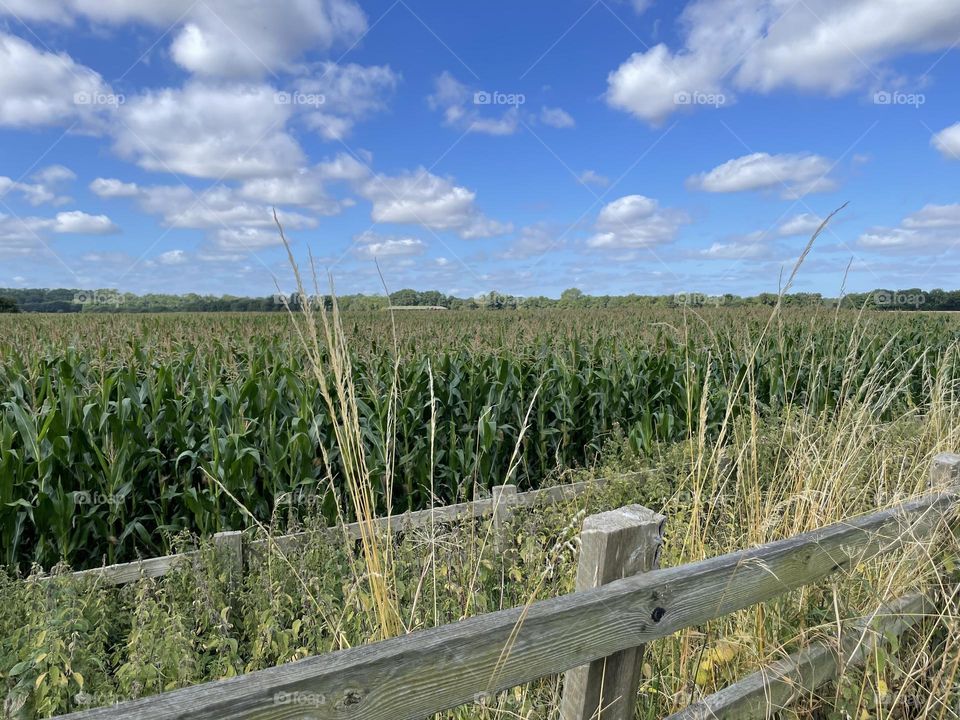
{"x":112,"y":188}
{"x":220,"y":207}
{"x":802,"y":224}
{"x":54,"y":175}
{"x":428,"y":200}
{"x":947,"y":141}
{"x":344,"y":167}
{"x":303,"y":188}
{"x":462,"y":111}
{"x":794,"y":175}
{"x":932,"y":228}
{"x":745,"y":247}
{"x":246,"y":239}
{"x":590,"y":177}
{"x":80,"y":223}
{"x":235,"y":223}
{"x":172,"y":257}
{"x":39,"y":88}
{"x":208,"y":131}
{"x":370,"y":245}
{"x":765,"y":45}
{"x":46,"y":189}
{"x":337,"y":96}
{"x":934,"y":216}
{"x":222,"y":38}
{"x":635,"y":221}
{"x":556,"y":117}
{"x":534,"y":241}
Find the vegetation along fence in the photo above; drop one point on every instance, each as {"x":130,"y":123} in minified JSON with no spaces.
{"x":595,"y":635}
{"x":502,"y":502}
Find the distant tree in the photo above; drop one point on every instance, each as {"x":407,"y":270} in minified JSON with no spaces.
{"x":8,"y":305}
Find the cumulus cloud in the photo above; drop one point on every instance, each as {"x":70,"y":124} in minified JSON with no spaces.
{"x":172,"y":257}
{"x":802,"y":224}
{"x":78,"y":222}
{"x":45,"y":188}
{"x":112,"y":188}
{"x":794,"y":175}
{"x":28,"y":235}
{"x":334,"y":97}
{"x":591,"y":177}
{"x":932,"y":228}
{"x":222,"y":131}
{"x":556,"y":117}
{"x":221,"y":38}
{"x":234,"y":221}
{"x":636,"y":221}
{"x":370,"y":245}
{"x":39,"y":88}
{"x":766,"y":45}
{"x":947,"y":141}
{"x":752,"y":246}
{"x":431,"y":201}
{"x":472,"y":110}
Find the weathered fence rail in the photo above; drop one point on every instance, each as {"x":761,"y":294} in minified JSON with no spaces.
{"x":505,"y":499}
{"x":431,"y":670}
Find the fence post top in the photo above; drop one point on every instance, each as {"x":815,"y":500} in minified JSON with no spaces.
{"x":945,"y":469}
{"x":625,"y":517}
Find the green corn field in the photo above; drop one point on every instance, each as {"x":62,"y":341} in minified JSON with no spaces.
{"x":111,"y":427}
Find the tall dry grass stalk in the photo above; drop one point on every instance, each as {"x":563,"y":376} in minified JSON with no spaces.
{"x":331,"y":366}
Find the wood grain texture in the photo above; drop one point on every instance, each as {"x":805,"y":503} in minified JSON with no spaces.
{"x":131,"y":571}
{"x":502,"y":501}
{"x":766,"y":692}
{"x":431,"y":670}
{"x":613,"y":545}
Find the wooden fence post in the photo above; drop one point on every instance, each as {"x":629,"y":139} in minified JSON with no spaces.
{"x":945,"y":470}
{"x":229,"y":546}
{"x":504,"y":499}
{"x":614,"y":545}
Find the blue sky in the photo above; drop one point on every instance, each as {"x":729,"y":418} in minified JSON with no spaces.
{"x":612,"y":145}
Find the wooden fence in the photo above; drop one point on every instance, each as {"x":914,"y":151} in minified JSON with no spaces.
{"x":504,"y":500}
{"x":622,"y":602}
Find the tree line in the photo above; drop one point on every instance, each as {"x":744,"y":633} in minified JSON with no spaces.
{"x":63,"y":300}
